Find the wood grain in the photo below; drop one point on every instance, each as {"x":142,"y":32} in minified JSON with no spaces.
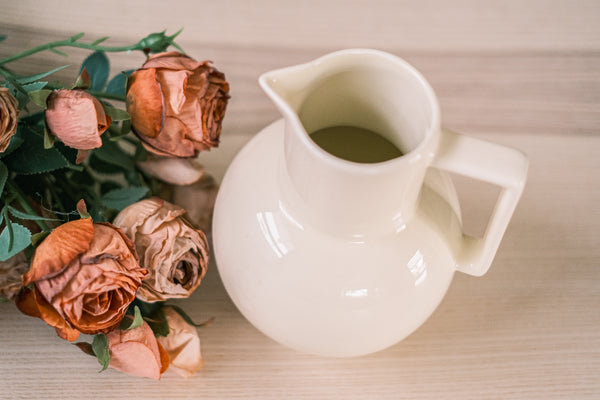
{"x":525,"y":74}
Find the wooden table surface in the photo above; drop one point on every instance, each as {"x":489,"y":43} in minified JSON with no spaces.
{"x":525,"y":74}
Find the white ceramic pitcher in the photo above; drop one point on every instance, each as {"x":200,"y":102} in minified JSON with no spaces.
{"x":340,"y":258}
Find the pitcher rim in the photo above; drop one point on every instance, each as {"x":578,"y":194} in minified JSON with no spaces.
{"x":409,"y":157}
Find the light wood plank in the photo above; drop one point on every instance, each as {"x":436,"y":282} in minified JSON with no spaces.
{"x":413,"y":25}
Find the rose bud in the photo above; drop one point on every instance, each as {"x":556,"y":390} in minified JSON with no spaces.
{"x":9,"y":114}
{"x":77,"y":118}
{"x":11,"y":274}
{"x":136,"y":352}
{"x":84,"y":277}
{"x":177,"y":104}
{"x":176,"y":171}
{"x":182,"y":344}
{"x":170,"y":248}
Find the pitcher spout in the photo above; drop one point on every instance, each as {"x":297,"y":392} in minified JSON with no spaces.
{"x":361,"y":89}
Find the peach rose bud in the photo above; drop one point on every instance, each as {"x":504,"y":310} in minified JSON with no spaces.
{"x":77,"y":118}
{"x":136,"y":352}
{"x":177,"y":104}
{"x":182,"y":345}
{"x":170,"y":248}
{"x":9,"y":115}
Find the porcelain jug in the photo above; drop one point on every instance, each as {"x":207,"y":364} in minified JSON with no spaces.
{"x":342,"y":258}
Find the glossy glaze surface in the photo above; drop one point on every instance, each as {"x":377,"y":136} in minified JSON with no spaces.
{"x":318,"y":292}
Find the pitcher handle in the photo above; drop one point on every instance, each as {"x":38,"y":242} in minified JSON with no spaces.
{"x":489,"y":162}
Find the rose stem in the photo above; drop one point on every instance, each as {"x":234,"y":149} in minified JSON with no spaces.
{"x":23,"y":202}
{"x":71,"y":42}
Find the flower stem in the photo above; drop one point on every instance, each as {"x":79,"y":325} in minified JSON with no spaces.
{"x":71,"y":42}
{"x":23,"y":202}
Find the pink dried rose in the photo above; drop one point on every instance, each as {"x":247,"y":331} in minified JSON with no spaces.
{"x":77,"y":118}
{"x":177,"y":104}
{"x":199,"y":201}
{"x":11,"y":275}
{"x":9,"y":115}
{"x":84,"y":277}
{"x":182,"y":344}
{"x":170,"y":248}
{"x":176,"y":171}
{"x":137,"y":352}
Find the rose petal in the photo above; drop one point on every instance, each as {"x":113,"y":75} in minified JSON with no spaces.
{"x":135,"y":352}
{"x":176,"y":171}
{"x":145,"y":103}
{"x":171,"y":60}
{"x":32,"y":303}
{"x":9,"y":113}
{"x":182,"y":345}
{"x":60,"y":247}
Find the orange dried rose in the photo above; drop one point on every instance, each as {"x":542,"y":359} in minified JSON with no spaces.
{"x":84,"y":277}
{"x":177,"y":104}
{"x":77,"y":118}
{"x":170,"y":248}
{"x":9,"y":114}
{"x":136,"y":352}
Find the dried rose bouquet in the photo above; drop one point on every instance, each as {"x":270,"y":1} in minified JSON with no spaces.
{"x":92,"y":239}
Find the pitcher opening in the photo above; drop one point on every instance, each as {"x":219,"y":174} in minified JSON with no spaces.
{"x":369,"y":111}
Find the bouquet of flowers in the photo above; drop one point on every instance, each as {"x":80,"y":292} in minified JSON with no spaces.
{"x":94,"y":234}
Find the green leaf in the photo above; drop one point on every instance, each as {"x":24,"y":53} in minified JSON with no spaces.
{"x":118,"y":84}
{"x":158,"y":323}
{"x":27,"y":216}
{"x":115,"y":114}
{"x":60,"y":53}
{"x":3,"y":38}
{"x":14,"y":144}
{"x":13,"y":239}
{"x":34,"y":86}
{"x":3,"y":176}
{"x":100,"y":349}
{"x":4,"y":300}
{"x":104,"y":168}
{"x":33,"y":78}
{"x":40,"y":97}
{"x":98,"y":41}
{"x":130,"y":322}
{"x":112,"y":153}
{"x":21,"y":160}
{"x":98,"y":67}
{"x":76,"y":37}
{"x":118,"y":199}
{"x":17,"y":90}
{"x":187,"y":318}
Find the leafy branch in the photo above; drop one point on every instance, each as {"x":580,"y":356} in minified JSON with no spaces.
{"x":153,"y":43}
